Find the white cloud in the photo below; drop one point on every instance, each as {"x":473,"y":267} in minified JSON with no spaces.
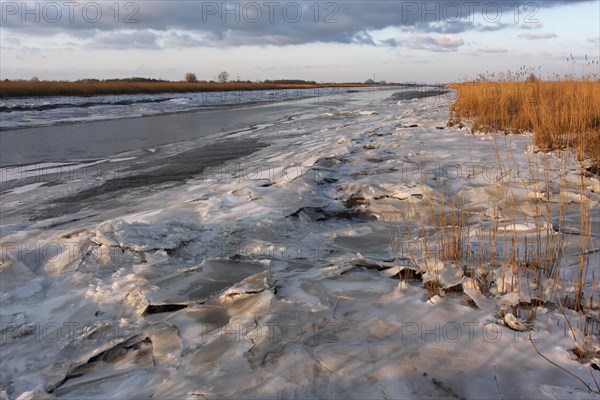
{"x":492,"y":50}
{"x":537,"y":35}
{"x":447,"y":42}
{"x":530,"y":25}
{"x":121,"y":40}
{"x":491,"y":26}
{"x":181,"y":40}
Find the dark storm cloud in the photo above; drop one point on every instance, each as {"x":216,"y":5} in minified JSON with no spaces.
{"x":235,"y":23}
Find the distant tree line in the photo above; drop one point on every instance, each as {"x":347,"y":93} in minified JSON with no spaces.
{"x":290,"y":81}
{"x":190,"y":77}
{"x":132,"y":79}
{"x":223,"y":77}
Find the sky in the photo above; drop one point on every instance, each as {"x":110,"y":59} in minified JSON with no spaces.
{"x":326,"y":41}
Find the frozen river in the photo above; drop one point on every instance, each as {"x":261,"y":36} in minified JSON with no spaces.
{"x":286,"y":250}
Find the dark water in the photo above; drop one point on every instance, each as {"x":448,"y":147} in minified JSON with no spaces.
{"x":167,"y":150}
{"x":101,"y":139}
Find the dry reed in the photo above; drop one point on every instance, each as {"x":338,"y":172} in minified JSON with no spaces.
{"x":561,"y":114}
{"x":94,"y":88}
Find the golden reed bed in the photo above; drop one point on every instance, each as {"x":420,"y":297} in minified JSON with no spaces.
{"x":91,"y":88}
{"x":561,"y":114}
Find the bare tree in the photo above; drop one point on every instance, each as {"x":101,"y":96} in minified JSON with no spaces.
{"x":223,"y":76}
{"x":532,"y":78}
{"x":191,"y":77}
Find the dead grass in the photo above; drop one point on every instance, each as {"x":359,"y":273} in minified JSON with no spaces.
{"x":499,"y":260}
{"x":561,"y":114}
{"x":92,"y":88}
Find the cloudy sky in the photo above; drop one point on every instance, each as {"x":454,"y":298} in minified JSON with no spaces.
{"x":418,"y":41}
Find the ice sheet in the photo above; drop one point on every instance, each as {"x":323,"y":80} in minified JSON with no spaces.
{"x":277,"y":274}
